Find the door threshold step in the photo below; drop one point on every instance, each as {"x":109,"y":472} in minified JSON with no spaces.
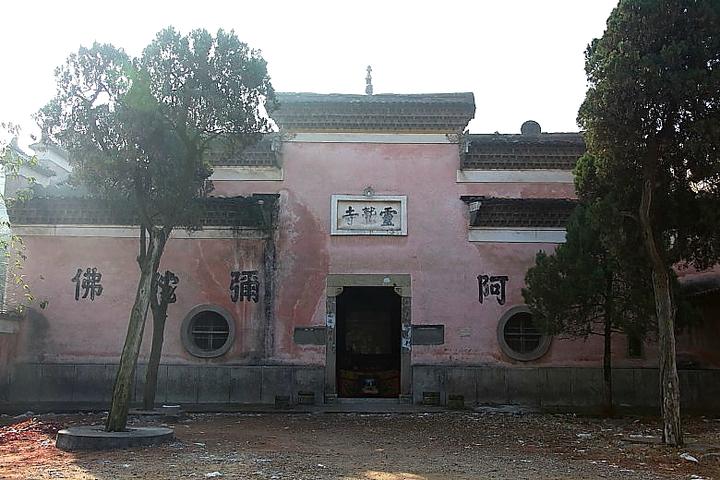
{"x":368,"y":401}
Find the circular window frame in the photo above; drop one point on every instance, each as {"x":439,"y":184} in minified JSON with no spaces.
{"x":542,"y":348}
{"x":188,"y":341}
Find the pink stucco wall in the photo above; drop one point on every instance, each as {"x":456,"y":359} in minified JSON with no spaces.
{"x":93,"y":331}
{"x":442,"y":263}
{"x":436,"y":253}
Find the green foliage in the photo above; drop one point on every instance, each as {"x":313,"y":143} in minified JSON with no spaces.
{"x":652,"y":122}
{"x":12,"y":247}
{"x":584,"y":283}
{"x":141,"y":131}
{"x":652,"y":113}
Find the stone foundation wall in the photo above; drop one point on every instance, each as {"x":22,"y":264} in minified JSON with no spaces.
{"x":564,"y":388}
{"x":42,"y":387}
{"x":66,"y":387}
{"x":7,"y":350}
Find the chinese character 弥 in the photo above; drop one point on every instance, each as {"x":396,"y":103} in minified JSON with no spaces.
{"x":387,"y":216}
{"x":492,"y":285}
{"x":244,"y":286}
{"x":90,"y":283}
{"x":369,"y":214}
{"x":350,"y":215}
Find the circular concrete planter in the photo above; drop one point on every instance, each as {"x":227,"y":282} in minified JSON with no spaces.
{"x":94,"y":437}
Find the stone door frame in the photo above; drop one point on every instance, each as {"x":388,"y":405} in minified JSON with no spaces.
{"x":335,"y":285}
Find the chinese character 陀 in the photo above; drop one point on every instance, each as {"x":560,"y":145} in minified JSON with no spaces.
{"x":90,"y":283}
{"x":387,"y":216}
{"x":244,"y":286}
{"x":166,"y":286}
{"x":369,"y":214}
{"x":492,"y":285}
{"x":350,"y":215}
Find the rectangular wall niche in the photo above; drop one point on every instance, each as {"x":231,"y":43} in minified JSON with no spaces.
{"x":309,"y":335}
{"x":368,"y":215}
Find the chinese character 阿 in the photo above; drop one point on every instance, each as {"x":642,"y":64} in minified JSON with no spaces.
{"x":369,"y":214}
{"x":244,"y":286}
{"x":350,"y":215}
{"x":387,"y":216}
{"x":90,"y":283}
{"x":492,"y":285}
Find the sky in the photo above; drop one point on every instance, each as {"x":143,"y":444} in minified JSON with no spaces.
{"x":523,"y":59}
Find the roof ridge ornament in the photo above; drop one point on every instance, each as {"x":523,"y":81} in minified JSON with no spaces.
{"x":368,"y":81}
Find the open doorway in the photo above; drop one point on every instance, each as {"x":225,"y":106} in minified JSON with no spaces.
{"x":368,"y":342}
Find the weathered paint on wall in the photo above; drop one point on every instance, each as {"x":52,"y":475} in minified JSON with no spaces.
{"x":436,"y":253}
{"x":86,"y":331}
{"x":442,"y":263}
{"x":7,"y":357}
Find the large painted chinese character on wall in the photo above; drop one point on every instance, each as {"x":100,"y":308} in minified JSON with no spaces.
{"x":368,"y":215}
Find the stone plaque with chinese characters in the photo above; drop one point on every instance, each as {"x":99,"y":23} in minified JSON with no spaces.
{"x":369,"y":215}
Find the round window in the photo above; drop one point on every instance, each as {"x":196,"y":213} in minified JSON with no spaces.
{"x":518,"y":336}
{"x":208,"y":331}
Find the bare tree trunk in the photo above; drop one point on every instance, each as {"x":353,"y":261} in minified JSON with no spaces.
{"x":665,"y":311}
{"x":607,"y":367}
{"x":162,"y":294}
{"x":151,"y":374}
{"x":607,"y":346}
{"x":120,"y":403}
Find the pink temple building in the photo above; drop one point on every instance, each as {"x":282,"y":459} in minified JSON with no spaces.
{"x":369,"y":249}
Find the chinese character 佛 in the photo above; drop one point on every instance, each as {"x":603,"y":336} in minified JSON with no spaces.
{"x":387,"y":216}
{"x":244,"y":286}
{"x":492,"y":285}
{"x":90,"y":283}
{"x":350,"y":215}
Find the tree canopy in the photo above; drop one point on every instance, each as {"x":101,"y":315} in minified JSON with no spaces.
{"x":575,"y":290}
{"x":652,"y":126}
{"x":142,"y":131}
{"x":651,"y":113}
{"x":586,"y":287}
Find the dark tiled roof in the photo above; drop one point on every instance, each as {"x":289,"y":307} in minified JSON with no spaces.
{"x":523,"y":152}
{"x":45,"y":143}
{"x":257,"y":211}
{"x":316,"y":112}
{"x":60,"y":190}
{"x":460,"y":98}
{"x":519,"y":212}
{"x":699,"y":284}
{"x":31,"y":162}
{"x":261,"y":154}
{"x":42,"y":168}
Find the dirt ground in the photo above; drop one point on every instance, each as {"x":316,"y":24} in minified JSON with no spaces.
{"x":421,"y":446}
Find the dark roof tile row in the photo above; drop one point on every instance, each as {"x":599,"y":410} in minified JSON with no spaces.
{"x":256,"y":211}
{"x":434,"y":112}
{"x":557,"y":151}
{"x":495,"y":212}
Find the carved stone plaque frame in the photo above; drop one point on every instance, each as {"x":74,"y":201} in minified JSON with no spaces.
{"x":368,"y":215}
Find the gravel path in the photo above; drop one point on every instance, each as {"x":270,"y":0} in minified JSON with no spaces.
{"x":437,"y":446}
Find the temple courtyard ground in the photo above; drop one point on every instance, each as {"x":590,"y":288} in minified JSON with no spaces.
{"x":420,"y":446}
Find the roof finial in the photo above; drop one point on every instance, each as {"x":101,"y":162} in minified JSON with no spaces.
{"x":368,"y":81}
